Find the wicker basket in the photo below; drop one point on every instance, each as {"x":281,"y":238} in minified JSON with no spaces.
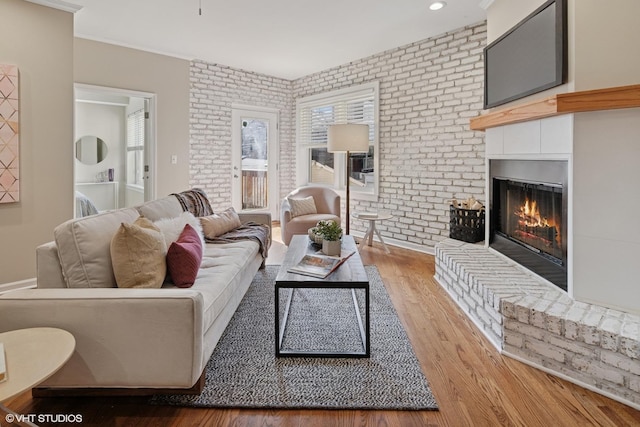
{"x":466,"y":224}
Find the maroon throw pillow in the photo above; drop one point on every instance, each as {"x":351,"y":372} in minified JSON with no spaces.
{"x":184,"y":257}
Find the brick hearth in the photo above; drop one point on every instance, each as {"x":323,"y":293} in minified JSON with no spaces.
{"x":533,"y":321}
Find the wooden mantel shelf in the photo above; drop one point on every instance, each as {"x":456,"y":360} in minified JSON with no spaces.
{"x":563,"y":103}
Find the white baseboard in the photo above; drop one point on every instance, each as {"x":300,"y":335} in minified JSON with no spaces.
{"x":22,"y":284}
{"x":429,"y":250}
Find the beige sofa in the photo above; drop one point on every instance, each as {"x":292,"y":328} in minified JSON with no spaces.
{"x":131,"y":339}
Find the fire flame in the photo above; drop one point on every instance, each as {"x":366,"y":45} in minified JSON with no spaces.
{"x":530,"y":214}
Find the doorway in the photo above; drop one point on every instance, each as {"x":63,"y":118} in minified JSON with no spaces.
{"x":114,"y":148}
{"x":255,"y":159}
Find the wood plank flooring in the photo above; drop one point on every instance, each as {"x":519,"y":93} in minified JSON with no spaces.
{"x":473,"y":384}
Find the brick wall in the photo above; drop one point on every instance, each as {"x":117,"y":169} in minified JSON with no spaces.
{"x":428,"y":91}
{"x":214,"y":88}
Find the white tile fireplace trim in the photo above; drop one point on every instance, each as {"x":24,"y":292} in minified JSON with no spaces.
{"x":541,"y":139}
{"x":601,"y":148}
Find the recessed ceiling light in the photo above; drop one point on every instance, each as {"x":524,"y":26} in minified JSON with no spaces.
{"x":437,"y":5}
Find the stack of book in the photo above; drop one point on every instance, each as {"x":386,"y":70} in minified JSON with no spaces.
{"x":317,"y":265}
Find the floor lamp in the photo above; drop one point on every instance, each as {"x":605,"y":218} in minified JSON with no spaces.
{"x":348,"y":138}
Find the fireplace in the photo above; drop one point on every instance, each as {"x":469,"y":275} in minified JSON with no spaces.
{"x":528,"y":215}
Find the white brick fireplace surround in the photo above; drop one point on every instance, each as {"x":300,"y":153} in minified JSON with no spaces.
{"x":589,"y":335}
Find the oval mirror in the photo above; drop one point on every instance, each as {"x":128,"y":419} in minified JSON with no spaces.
{"x":91,"y":150}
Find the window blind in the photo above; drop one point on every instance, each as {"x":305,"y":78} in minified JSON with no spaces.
{"x":316,"y":115}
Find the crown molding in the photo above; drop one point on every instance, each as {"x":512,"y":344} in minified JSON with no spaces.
{"x":58,"y":4}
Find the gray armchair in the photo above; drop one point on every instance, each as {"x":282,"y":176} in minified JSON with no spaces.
{"x":327,"y":203}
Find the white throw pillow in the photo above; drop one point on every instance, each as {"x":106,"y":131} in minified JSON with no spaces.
{"x":305,"y":206}
{"x":172,"y":227}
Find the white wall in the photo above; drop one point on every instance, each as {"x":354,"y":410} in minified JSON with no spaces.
{"x":602,"y":41}
{"x":107,"y":122}
{"x":428,"y":91}
{"x":607,"y":43}
{"x":502,"y":15}
{"x":605,"y":208}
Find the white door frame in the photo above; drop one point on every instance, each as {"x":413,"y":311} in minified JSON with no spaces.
{"x":273,"y":156}
{"x":150,"y":130}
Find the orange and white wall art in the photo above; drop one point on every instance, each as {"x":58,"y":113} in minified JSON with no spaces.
{"x":9,"y":146}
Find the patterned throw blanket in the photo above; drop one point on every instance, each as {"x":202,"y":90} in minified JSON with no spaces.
{"x":195,"y":201}
{"x":247,"y":231}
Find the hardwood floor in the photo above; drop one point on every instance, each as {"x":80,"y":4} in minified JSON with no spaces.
{"x":473,"y":384}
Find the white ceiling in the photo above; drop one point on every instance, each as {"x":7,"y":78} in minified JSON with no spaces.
{"x":281,"y":38}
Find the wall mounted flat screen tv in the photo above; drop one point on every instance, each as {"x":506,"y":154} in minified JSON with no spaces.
{"x":529,"y":58}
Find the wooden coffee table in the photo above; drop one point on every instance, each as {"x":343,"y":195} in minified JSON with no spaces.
{"x":350,"y":275}
{"x":32,"y":355}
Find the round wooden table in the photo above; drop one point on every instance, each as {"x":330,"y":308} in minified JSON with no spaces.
{"x":31,"y":356}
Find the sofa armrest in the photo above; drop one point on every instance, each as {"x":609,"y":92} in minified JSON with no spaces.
{"x":125,"y":338}
{"x":257,"y":217}
{"x":48,"y":268}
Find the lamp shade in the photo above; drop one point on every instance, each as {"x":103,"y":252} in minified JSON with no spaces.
{"x":348,"y":137}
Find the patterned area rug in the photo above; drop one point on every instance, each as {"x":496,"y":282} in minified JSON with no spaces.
{"x":244,"y":372}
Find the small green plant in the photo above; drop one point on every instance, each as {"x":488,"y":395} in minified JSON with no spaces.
{"x":330,"y":230}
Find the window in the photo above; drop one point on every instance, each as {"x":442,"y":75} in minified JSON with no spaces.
{"x":135,"y":148}
{"x":358,"y":105}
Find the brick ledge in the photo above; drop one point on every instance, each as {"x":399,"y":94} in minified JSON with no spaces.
{"x":527,"y":318}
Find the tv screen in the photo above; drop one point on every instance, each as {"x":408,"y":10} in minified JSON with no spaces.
{"x":529,"y":58}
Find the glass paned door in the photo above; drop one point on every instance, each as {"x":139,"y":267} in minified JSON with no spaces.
{"x":255,"y":148}
{"x":254,"y":174}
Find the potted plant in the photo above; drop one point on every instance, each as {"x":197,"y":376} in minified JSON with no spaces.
{"x":331,"y":233}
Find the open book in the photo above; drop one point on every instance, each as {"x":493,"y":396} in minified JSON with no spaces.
{"x":317,"y":265}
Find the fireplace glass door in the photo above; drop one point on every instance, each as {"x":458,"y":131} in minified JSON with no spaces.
{"x":528,"y":215}
{"x":531,"y":215}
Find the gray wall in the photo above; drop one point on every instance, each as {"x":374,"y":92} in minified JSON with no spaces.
{"x":39,"y":40}
{"x":113,"y":66}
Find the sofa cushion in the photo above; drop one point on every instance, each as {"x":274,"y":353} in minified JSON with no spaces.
{"x":184,"y":257}
{"x":138,"y":255}
{"x":166,"y":207}
{"x":217,"y":224}
{"x":171,"y":228}
{"x":302,"y":206}
{"x":221,"y":272}
{"x":84,"y":248}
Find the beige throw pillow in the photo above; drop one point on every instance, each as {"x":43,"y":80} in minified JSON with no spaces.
{"x":217,"y":224}
{"x":303,"y":206}
{"x":138,"y":255}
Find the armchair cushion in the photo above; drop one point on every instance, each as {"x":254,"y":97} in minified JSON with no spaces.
{"x":327,"y":207}
{"x":303,"y":206}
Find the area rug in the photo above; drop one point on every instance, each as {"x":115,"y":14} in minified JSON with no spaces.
{"x":243,"y":371}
